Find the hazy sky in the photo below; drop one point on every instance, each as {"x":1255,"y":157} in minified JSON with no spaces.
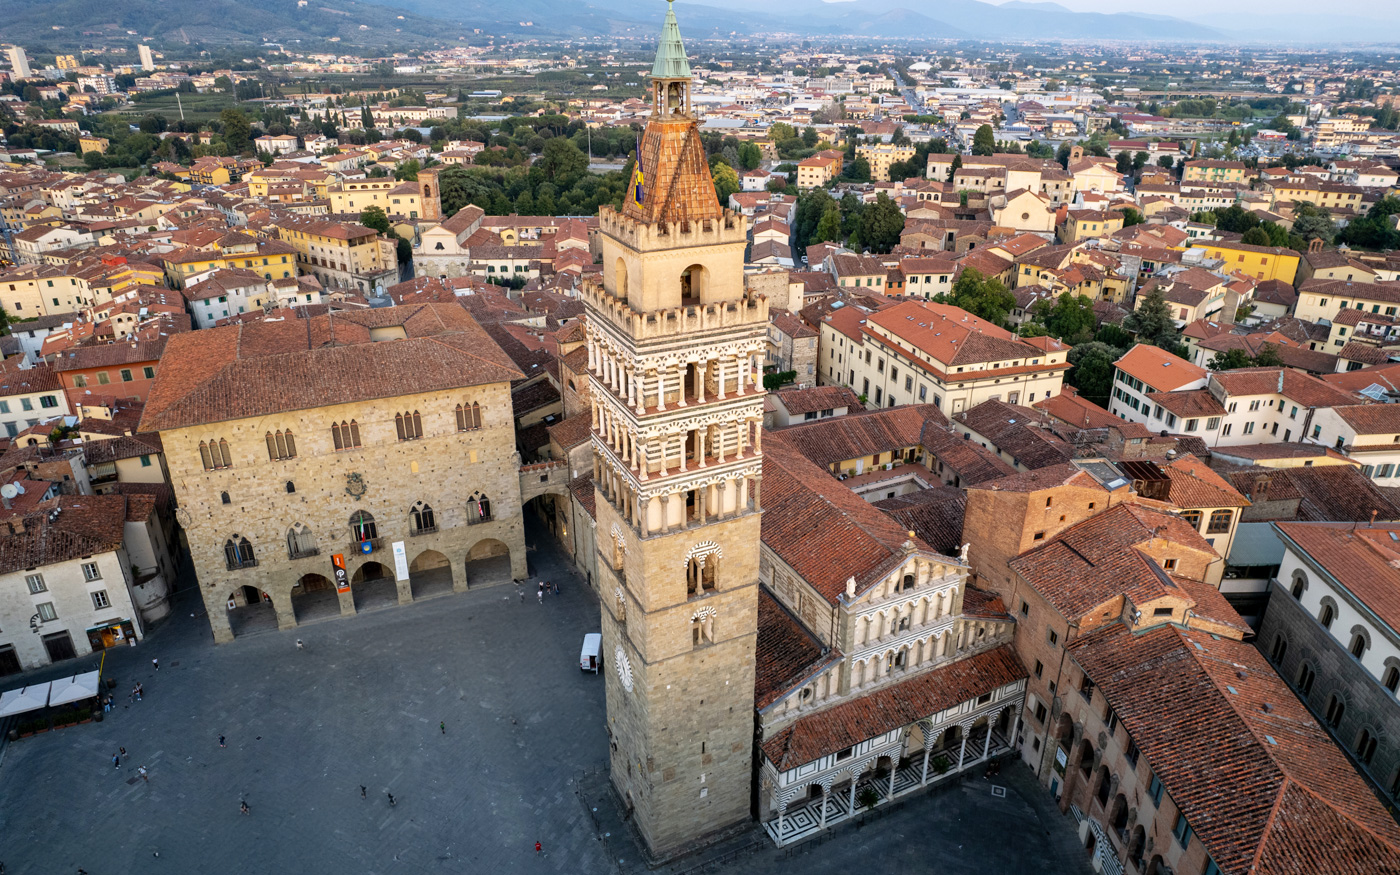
{"x":1204,"y":8}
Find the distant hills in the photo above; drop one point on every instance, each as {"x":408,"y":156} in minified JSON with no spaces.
{"x":406,"y":23}
{"x":62,"y":23}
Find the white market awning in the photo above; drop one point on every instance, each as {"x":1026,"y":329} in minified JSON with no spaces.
{"x":74,"y":689}
{"x":30,"y":698}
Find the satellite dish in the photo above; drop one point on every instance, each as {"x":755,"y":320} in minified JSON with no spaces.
{"x":9,"y":490}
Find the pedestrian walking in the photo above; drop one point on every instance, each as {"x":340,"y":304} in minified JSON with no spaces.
{"x":155,"y":662}
{"x":243,"y":806}
{"x":116,"y":761}
{"x":391,"y":798}
{"x":540,"y":594}
{"x":122,"y":751}
{"x":221,"y":742}
{"x":362,"y":792}
{"x":522,"y":596}
{"x":136,"y":691}
{"x":300,"y":646}
{"x":141,"y":770}
{"x":538,"y":847}
{"x":443,"y":726}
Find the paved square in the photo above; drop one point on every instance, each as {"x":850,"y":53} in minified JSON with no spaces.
{"x":361,"y":705}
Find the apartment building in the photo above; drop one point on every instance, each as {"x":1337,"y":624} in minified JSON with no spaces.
{"x":918,"y":352}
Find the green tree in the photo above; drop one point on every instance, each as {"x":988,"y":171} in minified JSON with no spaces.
{"x":1071,"y":319}
{"x":881,"y":224}
{"x":750,"y":156}
{"x":1256,"y":236}
{"x":375,"y":218}
{"x":829,"y":227}
{"x":812,"y":207}
{"x":366,"y":118}
{"x":561,"y":160}
{"x":809,"y":137}
{"x":1230,"y":360}
{"x":779,"y":131}
{"x":1132,"y":217}
{"x":1268,"y":357}
{"x":237,"y":130}
{"x":857,"y":170}
{"x":726,"y":180}
{"x":982,"y":297}
{"x":1319,"y":226}
{"x":407,"y":171}
{"x":984,"y":141}
{"x":1152,"y":321}
{"x":1165,"y":162}
{"x":1091,"y":370}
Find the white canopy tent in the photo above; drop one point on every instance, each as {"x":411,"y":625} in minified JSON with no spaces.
{"x":74,"y":689}
{"x":30,"y":698}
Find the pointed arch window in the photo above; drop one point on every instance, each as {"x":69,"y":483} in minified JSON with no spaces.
{"x":478,"y":509}
{"x":345,"y":435}
{"x":281,"y":445}
{"x":409,"y":426}
{"x":238,"y":553}
{"x":215,"y":454}
{"x":363,"y":527}
{"x":469,"y":416}
{"x":301,"y":542}
{"x":421,"y":519}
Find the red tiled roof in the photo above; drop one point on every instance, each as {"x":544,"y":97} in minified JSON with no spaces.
{"x":1262,"y":785}
{"x":786,"y":653}
{"x":841,"y":726}
{"x":822,"y":529}
{"x":1158,"y":368}
{"x":259,"y":368}
{"x":1098,"y":560}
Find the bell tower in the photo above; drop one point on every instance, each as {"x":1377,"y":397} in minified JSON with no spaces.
{"x":677,"y":407}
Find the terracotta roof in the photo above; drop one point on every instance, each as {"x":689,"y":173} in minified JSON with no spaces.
{"x":1209,"y":713}
{"x":826,"y":532}
{"x":573,"y":431}
{"x":815,"y":399}
{"x":1370,"y":419}
{"x":934,"y":514}
{"x":1304,"y":389}
{"x":678,"y":184}
{"x":1020,"y":432}
{"x":124,"y":447}
{"x":846,"y":724}
{"x":839,"y":438}
{"x":1099,"y":559}
{"x":1188,"y":404}
{"x":1195,"y":485}
{"x":1068,"y":407}
{"x":1158,"y":368}
{"x":786,"y":654}
{"x":86,"y":525}
{"x":259,"y":368}
{"x":1340,"y":492}
{"x":971,"y":462}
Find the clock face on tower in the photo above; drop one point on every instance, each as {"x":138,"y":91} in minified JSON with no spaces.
{"x":624,"y":670}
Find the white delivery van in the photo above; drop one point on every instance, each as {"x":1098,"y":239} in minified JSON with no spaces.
{"x":591,"y":657}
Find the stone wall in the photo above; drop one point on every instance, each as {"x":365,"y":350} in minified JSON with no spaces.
{"x":683,"y":734}
{"x":444,"y":468}
{"x":1369,"y":705}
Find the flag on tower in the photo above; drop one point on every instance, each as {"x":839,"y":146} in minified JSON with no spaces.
{"x":639,"y":179}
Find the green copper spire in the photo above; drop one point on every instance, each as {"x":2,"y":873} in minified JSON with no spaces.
{"x":670,"y":54}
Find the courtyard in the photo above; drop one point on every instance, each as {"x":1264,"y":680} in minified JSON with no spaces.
{"x":365,"y":704}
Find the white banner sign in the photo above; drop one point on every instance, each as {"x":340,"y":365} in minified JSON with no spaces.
{"x":400,"y":561}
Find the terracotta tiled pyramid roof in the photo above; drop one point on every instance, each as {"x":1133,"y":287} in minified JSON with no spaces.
{"x":677,"y":186}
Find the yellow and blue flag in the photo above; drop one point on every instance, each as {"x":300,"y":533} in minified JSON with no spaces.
{"x":639,"y":179}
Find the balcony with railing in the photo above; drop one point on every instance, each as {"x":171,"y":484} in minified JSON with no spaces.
{"x":235,"y":563}
{"x":304,"y":553}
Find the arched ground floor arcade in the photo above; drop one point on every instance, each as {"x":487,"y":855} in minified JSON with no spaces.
{"x":263,"y":597}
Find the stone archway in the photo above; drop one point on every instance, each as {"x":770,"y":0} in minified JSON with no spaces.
{"x":488,"y":562}
{"x":372,"y":585}
{"x":314,"y":598}
{"x":250,"y":611}
{"x":430,"y":574}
